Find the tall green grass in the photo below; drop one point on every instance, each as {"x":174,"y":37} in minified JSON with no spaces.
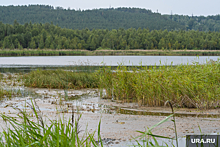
{"x":192,"y":86}
{"x":25,"y":130}
{"x":61,"y":79}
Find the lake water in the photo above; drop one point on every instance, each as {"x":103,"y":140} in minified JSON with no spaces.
{"x":101,"y":60}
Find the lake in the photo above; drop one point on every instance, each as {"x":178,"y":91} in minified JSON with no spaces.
{"x":29,"y":61}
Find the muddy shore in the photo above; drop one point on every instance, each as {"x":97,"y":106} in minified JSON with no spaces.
{"x":118,"y":129}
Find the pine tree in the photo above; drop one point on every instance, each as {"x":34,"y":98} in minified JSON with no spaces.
{"x":41,"y":44}
{"x":33,"y":44}
{"x":6,"y":43}
{"x":48,"y":42}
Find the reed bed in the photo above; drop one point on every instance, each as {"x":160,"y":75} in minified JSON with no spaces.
{"x":61,"y":79}
{"x":191,"y":86}
{"x":45,"y":52}
{"x":39,"y":53}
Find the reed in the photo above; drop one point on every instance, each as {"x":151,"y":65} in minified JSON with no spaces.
{"x":61,"y":79}
{"x":24,"y":131}
{"x":40,"y":52}
{"x":27,"y":129}
{"x":151,"y":140}
{"x":191,"y":86}
{"x":48,"y":52}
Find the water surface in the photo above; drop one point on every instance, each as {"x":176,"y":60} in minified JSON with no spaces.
{"x":27,"y":61}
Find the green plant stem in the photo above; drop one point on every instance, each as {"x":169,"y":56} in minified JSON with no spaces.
{"x":174,"y":121}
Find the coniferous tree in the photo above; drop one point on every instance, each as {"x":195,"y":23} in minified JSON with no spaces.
{"x":41,"y":43}
{"x":33,"y":44}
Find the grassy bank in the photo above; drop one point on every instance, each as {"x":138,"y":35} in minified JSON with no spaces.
{"x":191,"y":86}
{"x":34,"y":52}
{"x":61,"y":79}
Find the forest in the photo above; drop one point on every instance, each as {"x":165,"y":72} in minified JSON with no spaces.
{"x":108,"y":18}
{"x":50,"y":36}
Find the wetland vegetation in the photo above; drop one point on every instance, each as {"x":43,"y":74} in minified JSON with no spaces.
{"x":7,"y":92}
{"x":61,"y":79}
{"x":24,"y":131}
{"x":46,"y":52}
{"x":31,"y":129}
{"x":190,"y":86}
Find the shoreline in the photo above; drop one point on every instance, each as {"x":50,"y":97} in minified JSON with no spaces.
{"x":136,"y":52}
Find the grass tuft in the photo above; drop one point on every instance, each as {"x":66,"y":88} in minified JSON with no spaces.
{"x":24,"y":131}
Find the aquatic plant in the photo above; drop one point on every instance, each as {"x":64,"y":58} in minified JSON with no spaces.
{"x":61,"y":79}
{"x":148,"y":139}
{"x":45,"y":52}
{"x":24,"y":131}
{"x":32,"y":130}
{"x":35,"y":52}
{"x":191,"y":86}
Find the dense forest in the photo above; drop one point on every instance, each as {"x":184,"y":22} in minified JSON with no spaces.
{"x":201,"y":23}
{"x":111,"y":18}
{"x":49,"y":36}
{"x":92,"y":19}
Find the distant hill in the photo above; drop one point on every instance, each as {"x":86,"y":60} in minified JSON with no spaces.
{"x":92,"y":19}
{"x":107,"y":18}
{"x":201,"y":23}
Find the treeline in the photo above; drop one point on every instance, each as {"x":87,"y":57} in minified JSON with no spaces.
{"x":49,"y":36}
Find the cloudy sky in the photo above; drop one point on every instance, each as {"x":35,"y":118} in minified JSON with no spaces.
{"x":185,"y":7}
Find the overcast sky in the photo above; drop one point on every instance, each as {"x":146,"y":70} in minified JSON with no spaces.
{"x":185,"y":7}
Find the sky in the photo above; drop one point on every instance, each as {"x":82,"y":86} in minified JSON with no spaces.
{"x":181,"y":7}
